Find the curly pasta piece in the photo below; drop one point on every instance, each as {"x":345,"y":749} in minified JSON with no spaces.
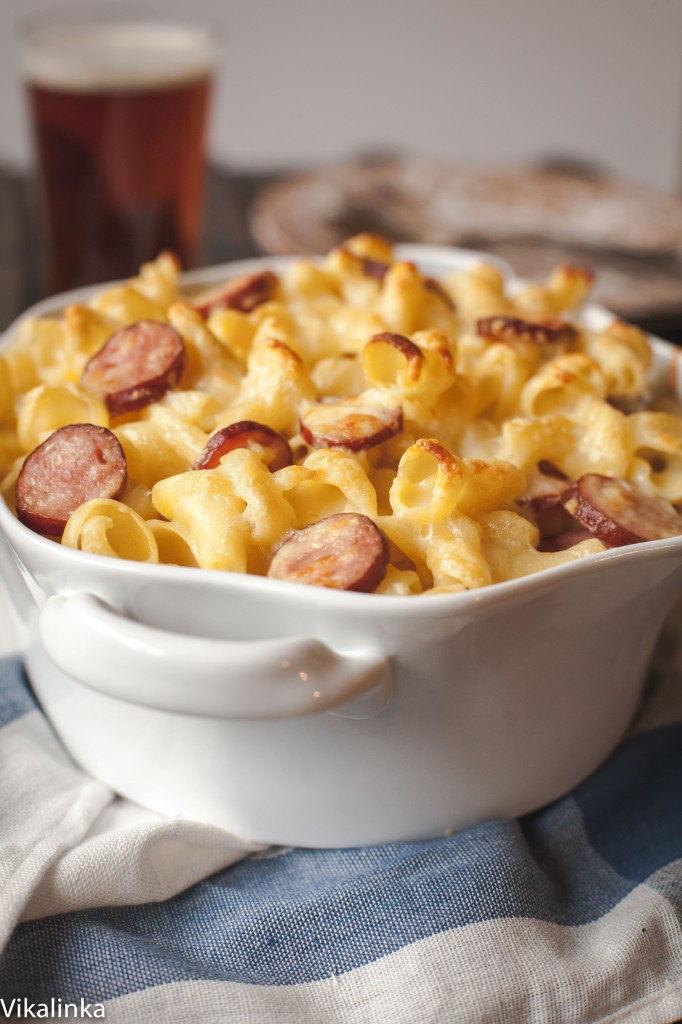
{"x":173,"y":543}
{"x":209,"y":366}
{"x":509,"y":543}
{"x":566,"y":288}
{"x":394,"y":362}
{"x":329,"y":481}
{"x":205,"y":505}
{"x":308,"y":281}
{"x":624,"y":356}
{"x":233,"y":329}
{"x":455,"y":558}
{"x":399,"y":582}
{"x":86,"y":332}
{"x":427,"y":484}
{"x":353,"y":284}
{"x":489,"y":485}
{"x":124,"y":304}
{"x":338,"y":375}
{"x":159,"y":280}
{"x":162,"y":444}
{"x":40,"y":353}
{"x":655,"y":441}
{"x":105,"y":526}
{"x":525,"y":441}
{"x":497,"y":379}
{"x":267,"y":513}
{"x":561,"y":385}
{"x":478,"y":292}
{"x":402,"y":297}
{"x":275,"y":386}
{"x":600,"y":442}
{"x":49,"y":406}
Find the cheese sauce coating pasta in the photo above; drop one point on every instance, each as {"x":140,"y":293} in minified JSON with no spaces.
{"x":460,"y":432}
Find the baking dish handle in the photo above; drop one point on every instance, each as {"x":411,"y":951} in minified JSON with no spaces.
{"x":106,"y":650}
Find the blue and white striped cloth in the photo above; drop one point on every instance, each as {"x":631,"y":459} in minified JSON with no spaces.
{"x":573,"y":913}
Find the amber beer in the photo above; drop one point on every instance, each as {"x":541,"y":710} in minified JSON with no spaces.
{"x":119,"y":115}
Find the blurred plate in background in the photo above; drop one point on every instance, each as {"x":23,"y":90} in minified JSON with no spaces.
{"x":534,"y":217}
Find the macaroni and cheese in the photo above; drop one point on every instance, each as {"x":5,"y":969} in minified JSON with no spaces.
{"x":460,"y":432}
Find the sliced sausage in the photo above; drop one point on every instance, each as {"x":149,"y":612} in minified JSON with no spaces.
{"x":565,"y":540}
{"x":544,"y":493}
{"x":136,"y":366}
{"x":75,"y":464}
{"x":436,"y":288}
{"x":617,"y":513}
{"x":549,"y":469}
{"x":242,"y":293}
{"x":345,"y":551}
{"x":512,"y":328}
{"x":374,"y":268}
{"x":246,"y":434}
{"x":627,"y":404}
{"x":349,"y":424}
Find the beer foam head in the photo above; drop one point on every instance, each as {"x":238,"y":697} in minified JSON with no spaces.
{"x":116,"y":55}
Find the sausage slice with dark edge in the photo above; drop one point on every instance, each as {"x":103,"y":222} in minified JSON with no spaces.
{"x":136,"y":366}
{"x":74,"y":465}
{"x":511,"y":328}
{"x":564,"y":541}
{"x":345,"y":551}
{"x":618,"y":513}
{"x":241,"y":293}
{"x":245,"y":434}
{"x":349,"y":424}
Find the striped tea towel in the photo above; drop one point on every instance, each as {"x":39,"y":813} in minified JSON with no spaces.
{"x":571,"y":914}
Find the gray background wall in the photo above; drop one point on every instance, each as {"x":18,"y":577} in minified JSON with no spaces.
{"x":307,"y":81}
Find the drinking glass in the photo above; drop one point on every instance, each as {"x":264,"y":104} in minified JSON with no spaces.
{"x":119,"y":105}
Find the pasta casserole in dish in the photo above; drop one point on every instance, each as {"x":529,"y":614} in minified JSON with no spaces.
{"x":431,"y":498}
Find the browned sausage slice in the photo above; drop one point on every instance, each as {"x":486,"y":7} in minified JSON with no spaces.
{"x":544,"y":496}
{"x":74,"y":465}
{"x":564,"y":541}
{"x":617,"y":513}
{"x":245,"y":434}
{"x":374,"y":268}
{"x":436,"y":288}
{"x":242,"y":293}
{"x":345,"y":551}
{"x":511,"y":328}
{"x":545,"y":492}
{"x":349,"y":424}
{"x":136,"y":366}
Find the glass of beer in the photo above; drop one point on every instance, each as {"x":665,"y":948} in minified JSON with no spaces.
{"x":119,"y":109}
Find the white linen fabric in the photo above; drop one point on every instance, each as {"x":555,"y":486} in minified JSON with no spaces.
{"x":68,"y":843}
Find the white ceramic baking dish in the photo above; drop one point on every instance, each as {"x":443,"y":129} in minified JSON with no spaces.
{"x":300,"y":715}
